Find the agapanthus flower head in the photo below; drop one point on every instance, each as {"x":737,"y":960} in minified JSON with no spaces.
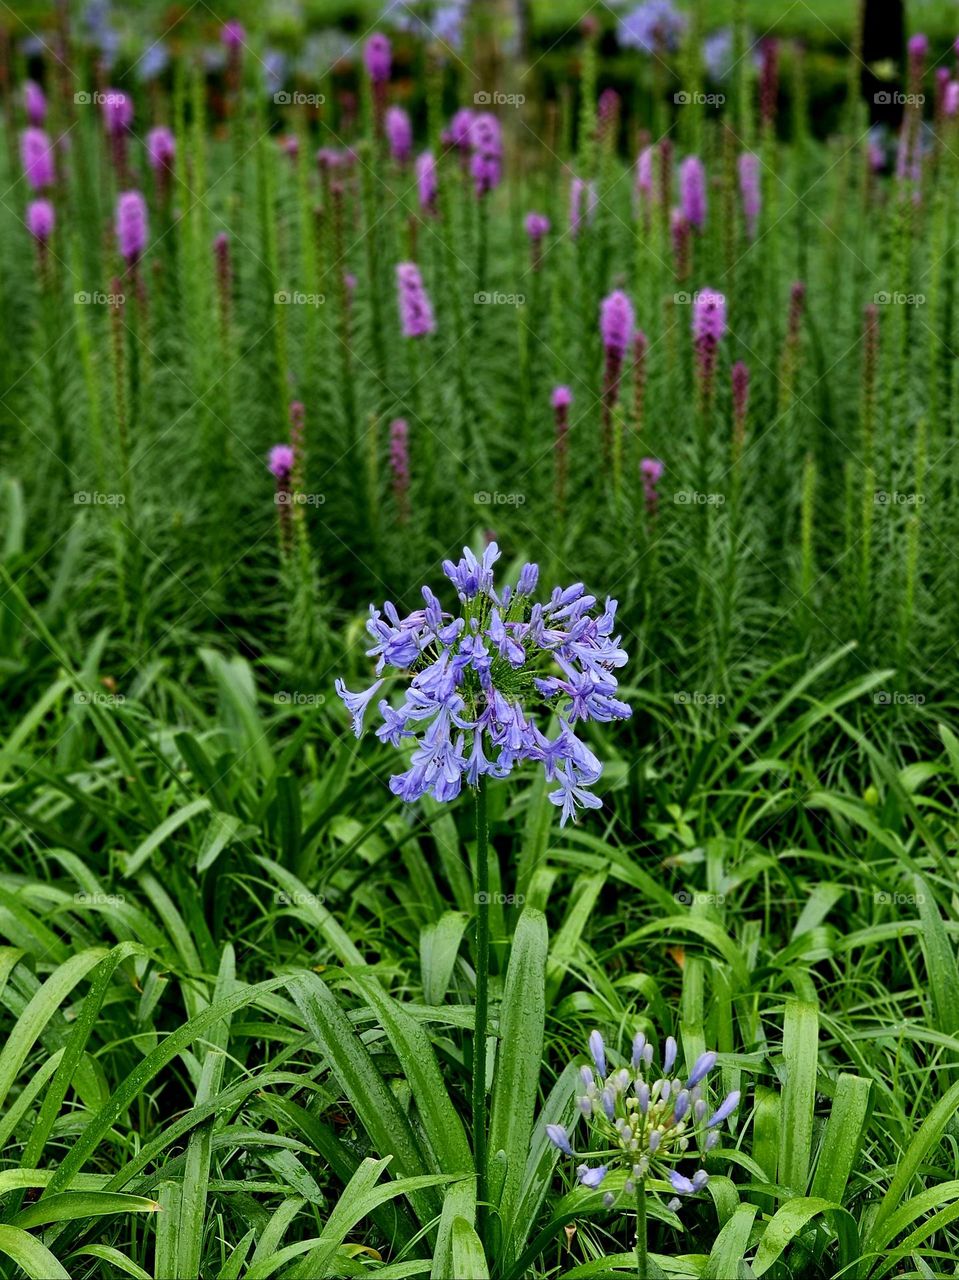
{"x":131,"y":225}
{"x":161,"y":148}
{"x":36,"y":156}
{"x":117,"y":110}
{"x":280,"y":462}
{"x":378,"y":57}
{"x":749,"y":190}
{"x":645,"y":1118}
{"x":41,"y":220}
{"x":537,"y":226}
{"x":233,"y":35}
{"x":416,"y":311}
{"x":616,"y":323}
{"x":654,"y":27}
{"x":709,"y":316}
{"x":427,"y":185}
{"x":692,"y":191}
{"x":34,"y":103}
{"x":475,"y":684}
{"x":399,"y":133}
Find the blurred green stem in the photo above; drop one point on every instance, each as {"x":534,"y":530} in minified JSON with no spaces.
{"x":482,"y":988}
{"x":641,"y":1259}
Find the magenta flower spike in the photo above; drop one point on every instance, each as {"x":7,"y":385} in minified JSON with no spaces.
{"x":400,"y":466}
{"x":692,"y":190}
{"x":34,"y":103}
{"x":486,"y":142}
{"x":41,"y":219}
{"x":161,"y":148}
{"x":709,"y":326}
{"x":36,"y":156}
{"x":131,"y":226}
{"x":651,"y":470}
{"x":399,"y":134}
{"x":582,"y":205}
{"x":378,"y":57}
{"x":537,"y":228}
{"x":427,"y":185}
{"x":233,"y":35}
{"x":616,"y":326}
{"x":416,"y":312}
{"x":117,"y":111}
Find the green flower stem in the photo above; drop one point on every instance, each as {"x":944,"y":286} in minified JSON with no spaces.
{"x":641,"y":1256}
{"x":482,"y":998}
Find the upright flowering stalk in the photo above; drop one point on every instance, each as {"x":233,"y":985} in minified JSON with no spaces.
{"x":790,"y":356}
{"x":427,"y":186}
{"x":582,"y":205}
{"x":651,"y":470}
{"x":399,"y":134}
{"x":41,"y":220}
{"x":486,"y":164}
{"x":472,"y":687}
{"x":537,"y":228}
{"x":400,"y":467}
{"x":458,"y":133}
{"x":640,"y":348}
{"x":36,"y":156}
{"x":749,"y":189}
{"x":616,"y":325}
{"x":709,"y":325}
{"x":298,"y":444}
{"x":281,"y":461}
{"x":416,"y":312}
{"x":646,"y":1121}
{"x":740,"y":381}
{"x":682,"y":237}
{"x":561,"y":399}
{"x":34,"y":104}
{"x":161,"y":153}
{"x":224,"y":281}
{"x":131,"y":227}
{"x":378,"y":60}
{"x":644,"y":182}
{"x":117,"y":111}
{"x":233,"y":39}
{"x":769,"y":84}
{"x":692,"y":191}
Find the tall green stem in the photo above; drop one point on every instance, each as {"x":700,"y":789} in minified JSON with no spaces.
{"x":482,"y":996}
{"x":641,"y":1256}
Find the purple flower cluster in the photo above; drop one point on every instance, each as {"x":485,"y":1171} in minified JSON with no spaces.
{"x":36,"y":156}
{"x":486,"y":142}
{"x":477,"y":678}
{"x":582,"y":204}
{"x":281,"y":461}
{"x":378,"y":57}
{"x":34,"y":103}
{"x":161,"y":148}
{"x":616,"y":323}
{"x":426,"y":181}
{"x":131,"y":225}
{"x":692,"y":191}
{"x":399,"y":134}
{"x":648,"y":1120}
{"x":416,"y":312}
{"x":41,"y":219}
{"x":117,"y":109}
{"x":655,"y":27}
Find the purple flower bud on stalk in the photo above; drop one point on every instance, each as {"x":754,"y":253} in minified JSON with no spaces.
{"x":918,"y":45}
{"x":712,"y":1139}
{"x":399,"y":134}
{"x":704,"y":1064}
{"x":700,"y":1179}
{"x":281,"y":461}
{"x":639,"y":1043}
{"x":460,"y":129}
{"x":616,"y":323}
{"x":750,"y":190}
{"x":426,"y":182}
{"x":644,"y":173}
{"x":680,"y":1184}
{"x":34,"y":103}
{"x":378,"y":57}
{"x":709,"y":325}
{"x":41,"y":220}
{"x":655,"y":1138}
{"x":586,"y":1075}
{"x":559,"y":1138}
{"x":537,"y":228}
{"x":161,"y":148}
{"x":232,"y":35}
{"x":486,"y":141}
{"x":131,"y":226}
{"x":36,"y":156}
{"x":400,"y":465}
{"x":681,"y":1106}
{"x":591,"y":1178}
{"x":669,"y":1055}
{"x":597,"y":1050}
{"x":692,"y":191}
{"x":642,"y":1096}
{"x":725,"y":1110}
{"x":416,"y":313}
{"x":117,"y":110}
{"x":607,"y":1101}
{"x":651,"y":470}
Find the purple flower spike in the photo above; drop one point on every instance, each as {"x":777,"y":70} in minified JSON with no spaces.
{"x":34,"y":103}
{"x":232,"y":35}
{"x":616,"y":323}
{"x":597,"y":1050}
{"x":416,"y":312}
{"x":161,"y":148}
{"x":400,"y":465}
{"x":131,"y":225}
{"x":378,"y":57}
{"x":460,"y":129}
{"x":281,"y":461}
{"x":918,"y":45}
{"x":399,"y":134}
{"x":592,"y":1178}
{"x":704,"y":1064}
{"x":426,"y":181}
{"x":41,"y":219}
{"x":559,"y":1138}
{"x":117,"y":109}
{"x":561,"y":397}
{"x":36,"y":156}
{"x":692,"y":190}
{"x":725,"y":1110}
{"x":582,"y":205}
